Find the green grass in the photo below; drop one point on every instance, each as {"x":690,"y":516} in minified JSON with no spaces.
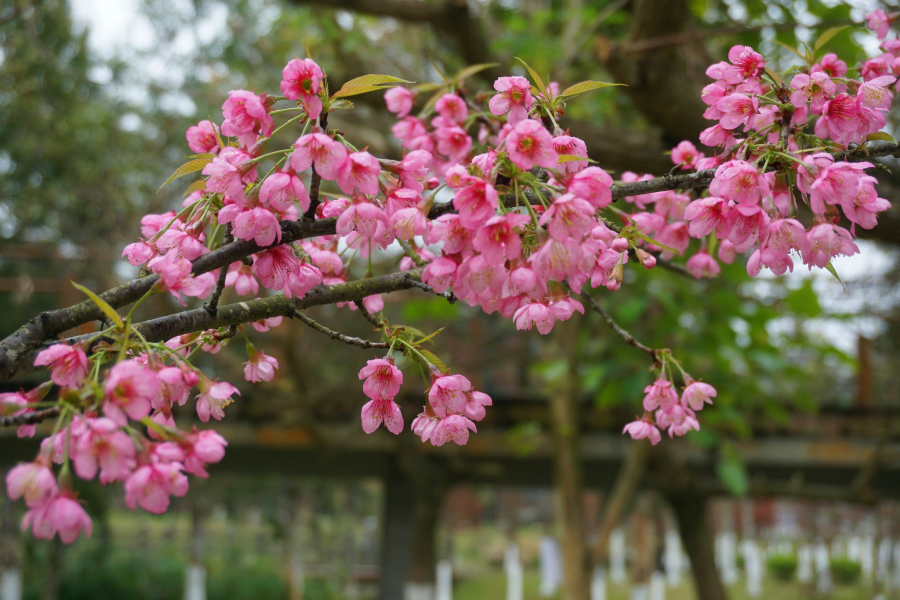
{"x":492,"y":586}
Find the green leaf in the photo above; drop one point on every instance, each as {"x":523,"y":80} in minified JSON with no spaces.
{"x":534,"y":76}
{"x":102,"y":305}
{"x":472,"y":69}
{"x":373,"y":80}
{"x":830,"y":268}
{"x":433,"y":359}
{"x":775,"y":76}
{"x":194,"y":187}
{"x":585,"y":86}
{"x":429,"y":87}
{"x":355,"y":90}
{"x":794,"y":50}
{"x":879,"y":135}
{"x":650,"y":240}
{"x":826,"y":37}
{"x":341,"y":105}
{"x":565,"y":158}
{"x":426,"y":338}
{"x":192,"y":166}
{"x":731,"y":470}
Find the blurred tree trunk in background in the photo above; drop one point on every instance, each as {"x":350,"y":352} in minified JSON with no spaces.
{"x":691,"y":510}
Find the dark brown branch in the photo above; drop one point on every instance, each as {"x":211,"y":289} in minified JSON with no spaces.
{"x":316,"y":181}
{"x":30,"y":418}
{"x":377,"y":323}
{"x":617,"y":329}
{"x":212,"y":305}
{"x":336,"y":335}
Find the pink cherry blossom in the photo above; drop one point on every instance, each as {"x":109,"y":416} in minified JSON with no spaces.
{"x":138,"y":253}
{"x":303,"y":278}
{"x":514,"y":97}
{"x":260,"y":367}
{"x":201,"y":449}
{"x":202,"y":137}
{"x":737,"y":110}
{"x":281,"y":189}
{"x":827,"y":181}
{"x":745,"y":225}
{"x":451,"y":106}
{"x":827,"y":241}
{"x":571,"y":146}
{"x":241,"y":276}
{"x":302,"y":80}
{"x":476,"y":202}
{"x":498,"y":240}
{"x":374,"y":412}
{"x":745,"y":64}
{"x":319,"y":150}
{"x":257,"y":224}
{"x":34,"y":481}
{"x":182,"y":243}
{"x":175,"y":276}
{"x":640,"y":429}
{"x":229,"y":172}
{"x":453,"y":142}
{"x":697,"y":394}
{"x":359,"y":172}
{"x":594,"y":185}
{"x":564,"y":307}
{"x":879,"y":22}
{"x":556,"y":259}
{"x":448,"y":395}
{"x":569,"y":216}
{"x":839,"y":118}
{"x":688,"y":423}
{"x":475,"y":403}
{"x":383,"y":379}
{"x":407,"y":223}
{"x":831,"y":65}
{"x":151,"y":485}
{"x":816,"y":88}
{"x":535,"y":313}
{"x":659,"y":395}
{"x":60,"y":514}
{"x":686,"y":152}
{"x":175,"y":385}
{"x":68,"y":364}
{"x":874,"y":93}
{"x":863,"y":209}
{"x":129,"y":390}
{"x":454,"y":428}
{"x":246,"y":117}
{"x":739,"y":181}
{"x":399,"y":101}
{"x":529,"y":144}
{"x":439,"y":274}
{"x":717,"y":135}
{"x":703,"y":265}
{"x":103,"y":444}
{"x":263,"y":325}
{"x":365,"y":218}
{"x":274,"y":265}
{"x":214,"y":397}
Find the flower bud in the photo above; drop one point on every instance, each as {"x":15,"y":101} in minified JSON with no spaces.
{"x":647,"y":259}
{"x":620,"y":244}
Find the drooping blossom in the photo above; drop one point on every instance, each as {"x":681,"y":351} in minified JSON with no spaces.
{"x":659,"y":395}
{"x":535,"y":314}
{"x":242,"y":278}
{"x":33,"y":481}
{"x":202,"y":138}
{"x":697,"y":394}
{"x":451,"y":106}
{"x":302,"y":80}
{"x":303,"y":278}
{"x":641,"y":429}
{"x":359,"y":172}
{"x":61,"y":515}
{"x":376,"y":412}
{"x":102,"y":444}
{"x":319,"y":150}
{"x":737,"y":110}
{"x":399,"y":101}
{"x":259,"y":367}
{"x":202,"y":448}
{"x":281,"y":189}
{"x":257,"y":224}
{"x":68,"y":364}
{"x":448,"y":395}
{"x":246,"y":117}
{"x":745,"y":64}
{"x":274,"y":265}
{"x":382,"y":378}
{"x":214,"y":397}
{"x":879,"y":22}
{"x":685,"y":152}
{"x":229,"y":172}
{"x":498,"y":239}
{"x":151,"y":485}
{"x":592,"y":184}
{"x":703,"y":265}
{"x":129,"y":390}
{"x":175,"y":276}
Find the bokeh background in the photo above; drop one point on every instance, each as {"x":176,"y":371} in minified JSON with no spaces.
{"x":792,"y":482}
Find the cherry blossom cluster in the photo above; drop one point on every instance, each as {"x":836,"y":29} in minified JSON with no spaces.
{"x":531,"y":220}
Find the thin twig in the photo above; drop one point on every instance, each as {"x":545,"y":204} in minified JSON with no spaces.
{"x":408,"y":251}
{"x":335,"y":335}
{"x":212,"y":304}
{"x":316,"y":181}
{"x":617,"y":329}
{"x":369,"y":316}
{"x":30,"y":418}
{"x":448,"y":295}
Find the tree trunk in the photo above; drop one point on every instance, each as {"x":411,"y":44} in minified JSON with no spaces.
{"x":567,"y":469}
{"x":691,"y":510}
{"x":627,"y":481}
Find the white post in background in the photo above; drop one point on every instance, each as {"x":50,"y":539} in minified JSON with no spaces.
{"x":195,"y":583}
{"x":884,"y":560}
{"x":657,"y":586}
{"x":895,"y":581}
{"x":598,"y":584}
{"x":823,"y":568}
{"x":726,"y":545}
{"x":444,"y":580}
{"x":11,"y":585}
{"x":866,"y":556}
{"x":550,"y":566}
{"x":639,"y":591}
{"x":617,"y":556}
{"x":753,"y":568}
{"x":672,"y":557}
{"x":513,"y":567}
{"x":804,"y":564}
{"x":195,"y":575}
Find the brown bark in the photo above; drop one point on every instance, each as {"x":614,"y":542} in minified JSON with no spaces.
{"x":567,"y":468}
{"x":627,"y":481}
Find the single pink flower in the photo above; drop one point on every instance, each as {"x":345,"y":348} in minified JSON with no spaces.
{"x":302,"y":80}
{"x":879,"y":22}
{"x":399,"y":101}
{"x":827,"y":241}
{"x":737,"y":110}
{"x":213,"y":398}
{"x":175,"y":276}
{"x":202,"y":137}
{"x":659,"y":395}
{"x":697,"y":394}
{"x":260,"y":367}
{"x":556,"y":259}
{"x":640,"y":429}
{"x":529,"y":144}
{"x":129,"y":390}
{"x":831,"y":65}
{"x":138,"y":253}
{"x":246,"y":116}
{"x":475,"y":403}
{"x":717,"y":135}
{"x":281,"y":189}
{"x":229,"y":172}
{"x":257,"y":224}
{"x":703,"y":265}
{"x":875,"y":93}
{"x":452,"y":107}
{"x":453,"y":142}
{"x":263,"y":325}
{"x":454,"y":428}
{"x":59,"y":514}
{"x":594,"y":185}
{"x":498,"y":239}
{"x":151,"y":485}
{"x":68,"y":364}
{"x":535,"y":313}
{"x":34,"y":481}
{"x":359,"y":172}
{"x":815,"y":88}
{"x":566,"y":145}
{"x":102,"y":444}
{"x":241,"y":276}
{"x":319,"y":150}
{"x":745,"y":226}
{"x":686,"y":152}
{"x":374,"y":412}
{"x":303,"y":278}
{"x":569,"y":216}
{"x":739,"y":181}
{"x":476,"y":202}
{"x":383,"y":379}
{"x":201,"y":449}
{"x":447,"y":395}
{"x":863,"y":208}
{"x":439,"y":274}
{"x":407,"y":223}
{"x":839,"y":118}
{"x":364,"y":218}
{"x":514,"y":97}
{"x":745,"y":64}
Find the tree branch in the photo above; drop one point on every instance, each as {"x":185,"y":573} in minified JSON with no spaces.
{"x":617,"y":329}
{"x":30,"y":418}
{"x":336,"y":335}
{"x":212,"y":305}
